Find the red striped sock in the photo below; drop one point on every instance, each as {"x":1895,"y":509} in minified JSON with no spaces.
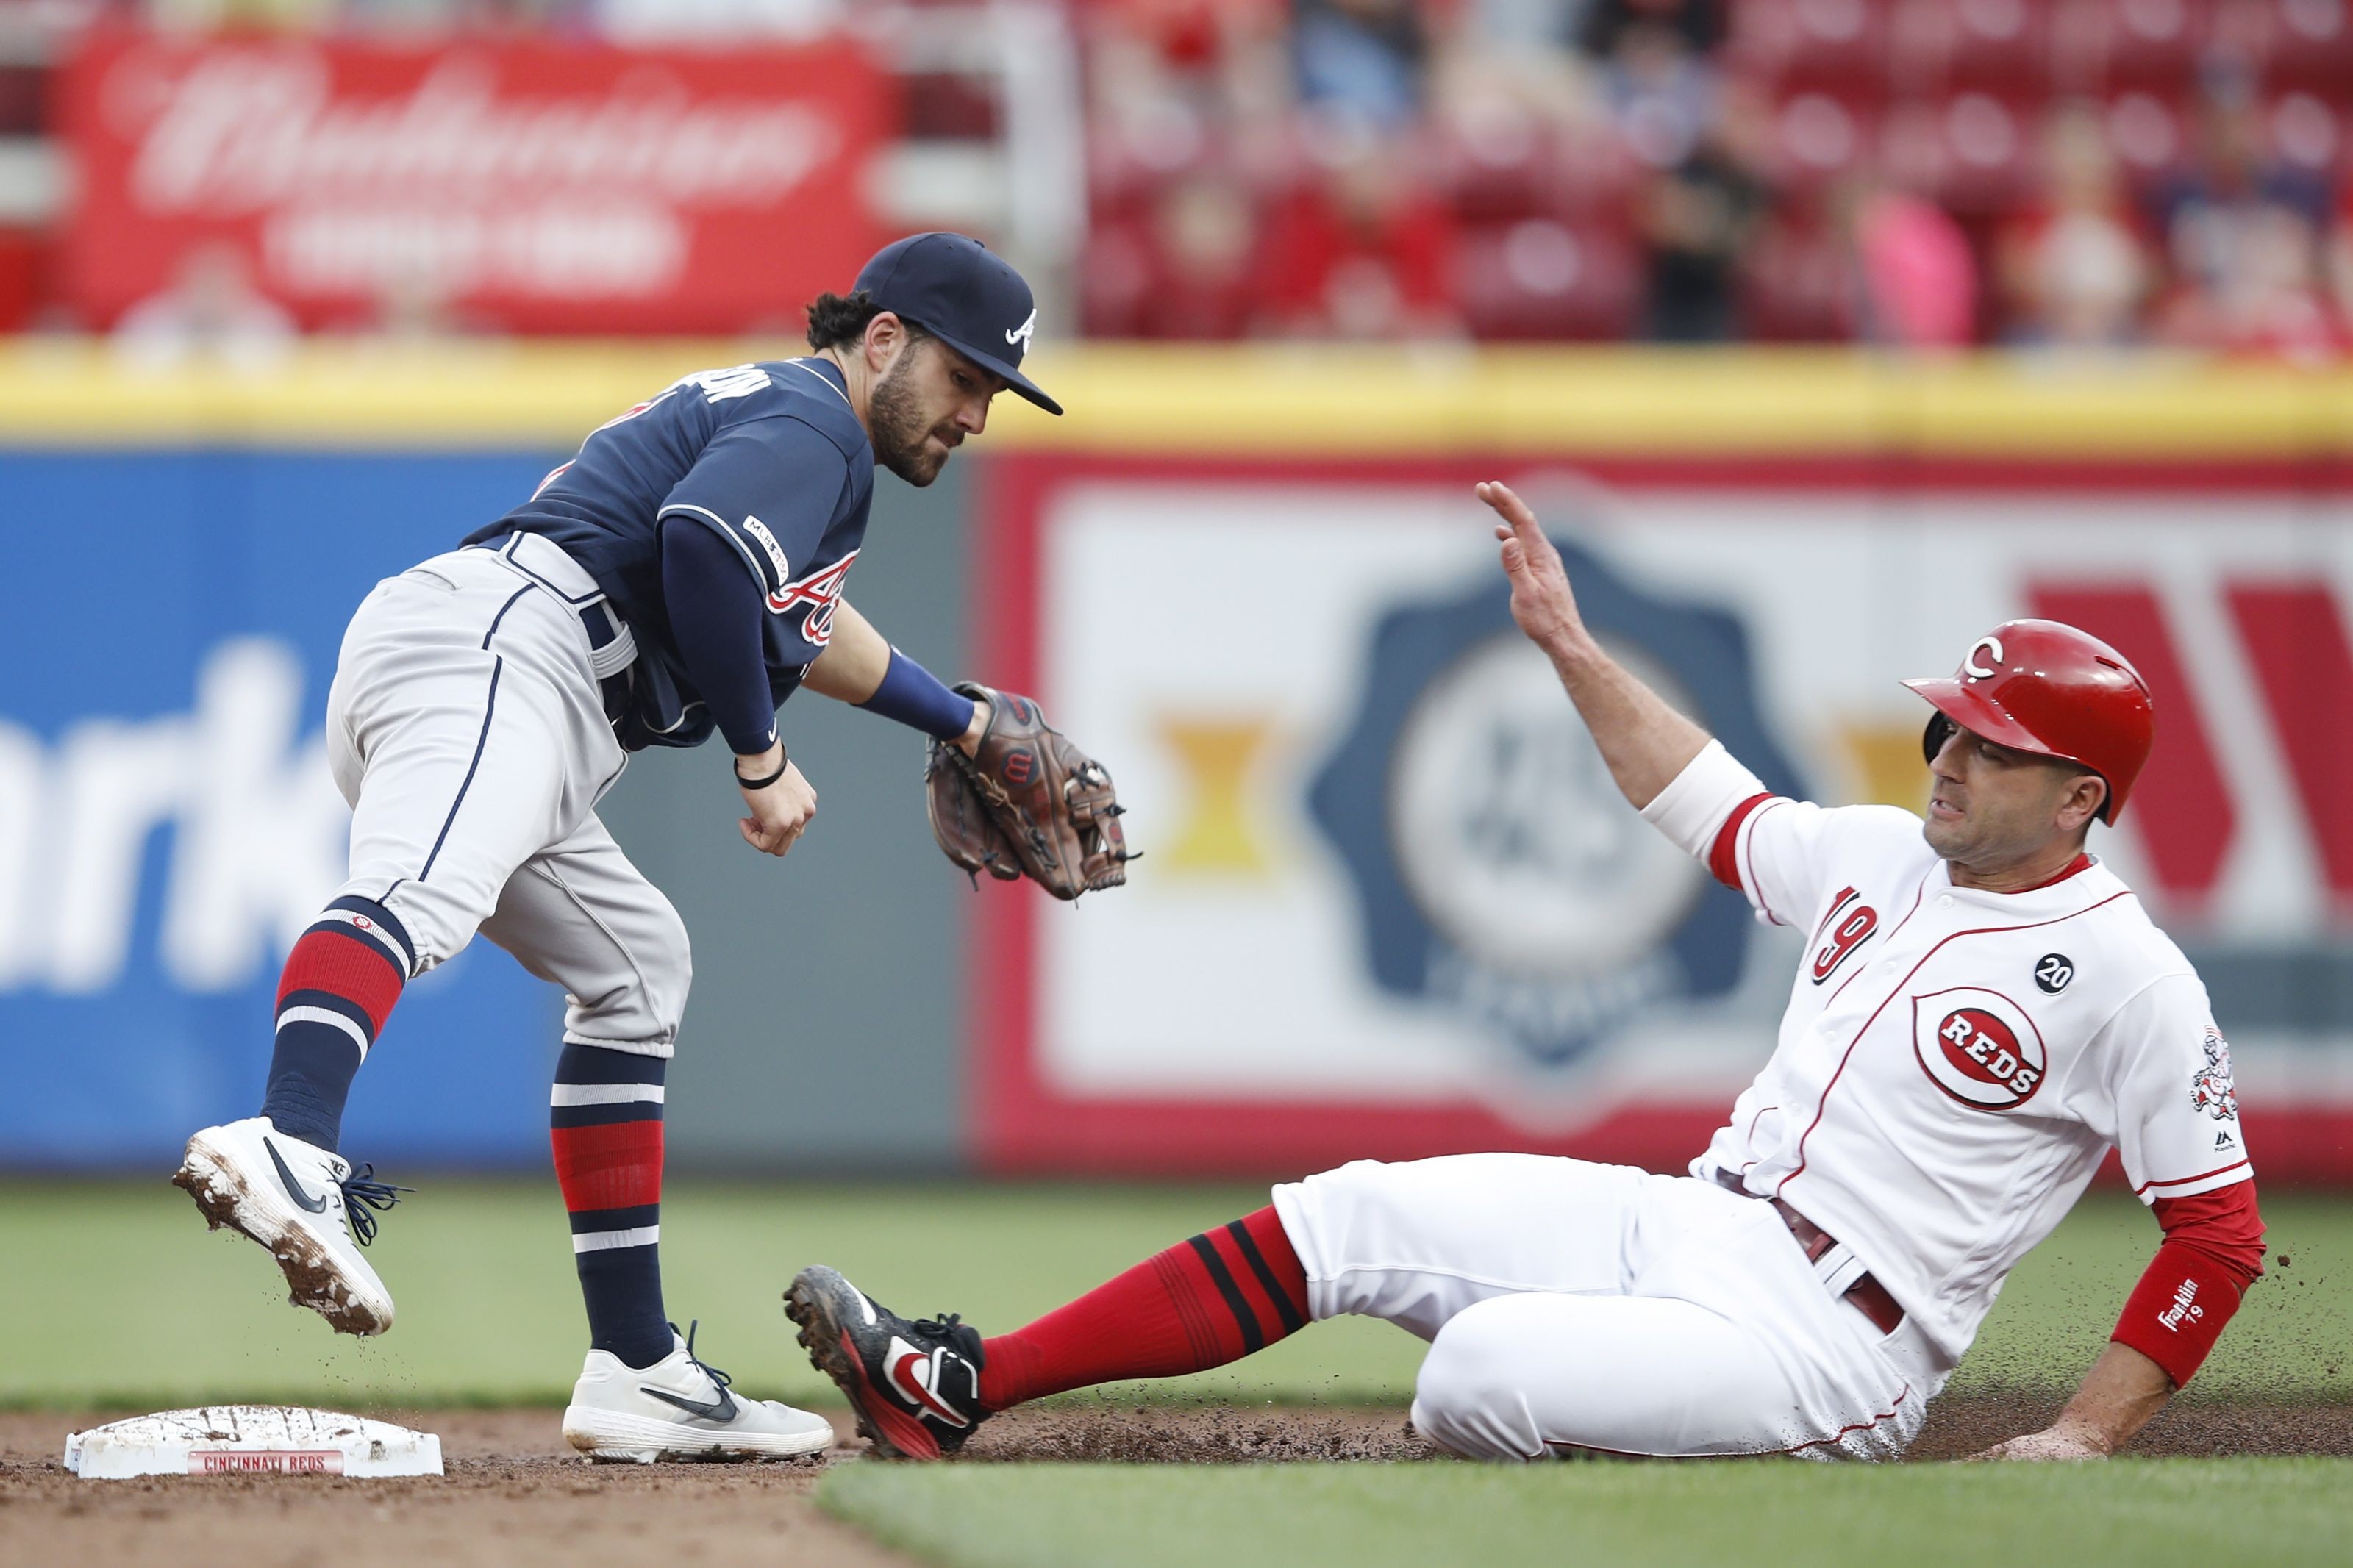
{"x":1205,"y":1302}
{"x":605,"y":1123}
{"x":339,"y":985}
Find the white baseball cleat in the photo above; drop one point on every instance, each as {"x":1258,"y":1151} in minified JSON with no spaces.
{"x":680,"y":1408}
{"x":304,"y":1204}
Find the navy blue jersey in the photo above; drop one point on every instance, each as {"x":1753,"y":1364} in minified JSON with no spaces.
{"x":768,"y":456}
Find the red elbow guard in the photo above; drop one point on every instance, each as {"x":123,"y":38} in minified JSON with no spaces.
{"x":2178,"y":1310}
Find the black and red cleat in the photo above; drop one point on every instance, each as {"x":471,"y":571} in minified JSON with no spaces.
{"x":914,"y":1385}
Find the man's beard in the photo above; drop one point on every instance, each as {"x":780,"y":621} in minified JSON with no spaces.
{"x":899,"y":428}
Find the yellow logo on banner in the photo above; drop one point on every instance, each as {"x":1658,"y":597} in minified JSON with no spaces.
{"x":1884,"y":763}
{"x":1216,"y":838}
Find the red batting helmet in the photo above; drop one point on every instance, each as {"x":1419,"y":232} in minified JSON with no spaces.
{"x":2046,"y":688}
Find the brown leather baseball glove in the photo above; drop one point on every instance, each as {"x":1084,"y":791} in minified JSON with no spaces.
{"x":1026,"y":802}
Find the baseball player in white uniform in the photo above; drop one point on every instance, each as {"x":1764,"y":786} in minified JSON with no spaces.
{"x":1981,"y":1011}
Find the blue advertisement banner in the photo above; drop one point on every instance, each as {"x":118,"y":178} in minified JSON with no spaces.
{"x":169,"y":622}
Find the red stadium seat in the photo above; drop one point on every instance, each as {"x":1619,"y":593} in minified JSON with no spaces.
{"x":1834,"y":47}
{"x":1540,"y":278}
{"x":1591,"y":178}
{"x":2305,"y":133}
{"x":2148,"y":133}
{"x":1972,"y":154}
{"x":1817,"y":140}
{"x":1997,"y":47}
{"x":1492,"y":165}
{"x":1798,"y":286}
{"x":2307,"y":45}
{"x":2117,"y":45}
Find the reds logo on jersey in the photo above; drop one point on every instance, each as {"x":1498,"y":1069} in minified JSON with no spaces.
{"x":821,"y":592}
{"x":2211,"y":1088}
{"x":1847,"y":927}
{"x":1979,"y":1046}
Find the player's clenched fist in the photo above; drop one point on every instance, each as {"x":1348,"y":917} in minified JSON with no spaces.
{"x":780,"y":808}
{"x":1541,"y":601}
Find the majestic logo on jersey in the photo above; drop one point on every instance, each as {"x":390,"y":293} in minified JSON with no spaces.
{"x":2052,"y":971}
{"x":1979,"y":1047}
{"x":1847,"y":927}
{"x":2211,"y":1090}
{"x":1019,"y":337}
{"x":1503,"y":881}
{"x":820,"y":590}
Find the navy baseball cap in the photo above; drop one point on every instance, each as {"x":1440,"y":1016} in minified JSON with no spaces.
{"x":964,"y":294}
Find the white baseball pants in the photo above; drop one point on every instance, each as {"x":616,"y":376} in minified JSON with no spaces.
{"x":1573,"y":1306}
{"x":466,"y":730}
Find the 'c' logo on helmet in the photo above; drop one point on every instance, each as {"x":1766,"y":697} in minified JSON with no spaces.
{"x":1969,"y":666}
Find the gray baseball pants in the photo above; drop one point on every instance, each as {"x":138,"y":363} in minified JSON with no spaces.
{"x":467,"y":730}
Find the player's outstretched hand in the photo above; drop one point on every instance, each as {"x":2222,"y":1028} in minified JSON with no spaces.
{"x":780,"y":812}
{"x":1541,"y":601}
{"x":2051,"y":1443}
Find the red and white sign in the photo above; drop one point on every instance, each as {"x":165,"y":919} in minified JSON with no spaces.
{"x":1392,"y":906}
{"x":536,"y":185}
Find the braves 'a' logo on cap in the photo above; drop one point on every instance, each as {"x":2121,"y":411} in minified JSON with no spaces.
{"x":1979,"y":1047}
{"x":1019,"y":337}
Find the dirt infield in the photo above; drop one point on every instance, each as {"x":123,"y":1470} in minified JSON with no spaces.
{"x":515,"y":1495}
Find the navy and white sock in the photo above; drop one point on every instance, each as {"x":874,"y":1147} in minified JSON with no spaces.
{"x":338,"y":986}
{"x":605,"y":1121}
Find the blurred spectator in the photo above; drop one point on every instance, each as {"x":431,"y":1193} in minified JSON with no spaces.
{"x":1660,"y":92}
{"x":2268,"y":298}
{"x":1698,"y":24}
{"x":1917,"y":278}
{"x":2340,"y":256}
{"x":1361,"y":58}
{"x":2243,"y":233}
{"x":2073,"y":269}
{"x":1191,"y":272}
{"x":1193,"y":70}
{"x":1362,"y":248}
{"x":1512,"y":57}
{"x":1697,"y":220}
{"x":210,"y":310}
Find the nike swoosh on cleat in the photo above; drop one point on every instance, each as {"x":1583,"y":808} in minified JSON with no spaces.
{"x":294,"y":1188}
{"x":722,"y":1409}
{"x":901,"y":1376}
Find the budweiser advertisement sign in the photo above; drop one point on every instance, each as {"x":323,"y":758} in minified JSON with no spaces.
{"x":537,"y":187}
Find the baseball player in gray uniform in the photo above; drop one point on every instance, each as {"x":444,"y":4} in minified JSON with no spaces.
{"x":682,"y":575}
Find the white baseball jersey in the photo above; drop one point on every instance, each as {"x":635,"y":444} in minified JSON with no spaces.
{"x":1954,"y":1063}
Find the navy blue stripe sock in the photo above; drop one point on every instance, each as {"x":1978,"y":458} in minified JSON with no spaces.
{"x":338,"y":985}
{"x":605,"y":1122}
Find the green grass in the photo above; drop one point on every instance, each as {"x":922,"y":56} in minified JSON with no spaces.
{"x":131,"y":1303}
{"x":2206,"y":1513}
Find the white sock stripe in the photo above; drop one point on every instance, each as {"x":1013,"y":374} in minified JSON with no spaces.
{"x":605,"y":1240}
{"x":604,"y":1093}
{"x":323,"y":1016}
{"x":368,"y":928}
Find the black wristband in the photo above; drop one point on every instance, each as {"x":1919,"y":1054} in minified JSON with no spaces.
{"x":783,"y":760}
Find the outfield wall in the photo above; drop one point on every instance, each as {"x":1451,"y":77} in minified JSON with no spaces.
{"x":1389,"y":905}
